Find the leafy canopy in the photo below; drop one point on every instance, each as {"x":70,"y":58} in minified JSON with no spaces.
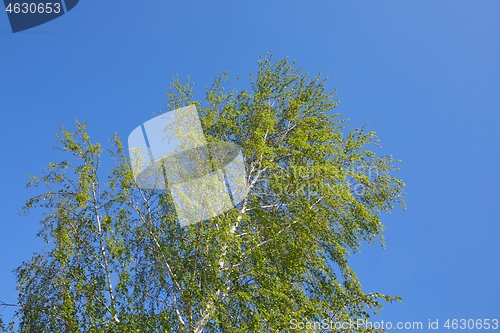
{"x":117,"y":260}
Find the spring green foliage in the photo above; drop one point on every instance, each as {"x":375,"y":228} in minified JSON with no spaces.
{"x":117,"y":260}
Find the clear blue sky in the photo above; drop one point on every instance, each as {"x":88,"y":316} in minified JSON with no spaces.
{"x":425,"y":74}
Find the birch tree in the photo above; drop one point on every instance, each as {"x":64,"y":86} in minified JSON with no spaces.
{"x":117,"y":260}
